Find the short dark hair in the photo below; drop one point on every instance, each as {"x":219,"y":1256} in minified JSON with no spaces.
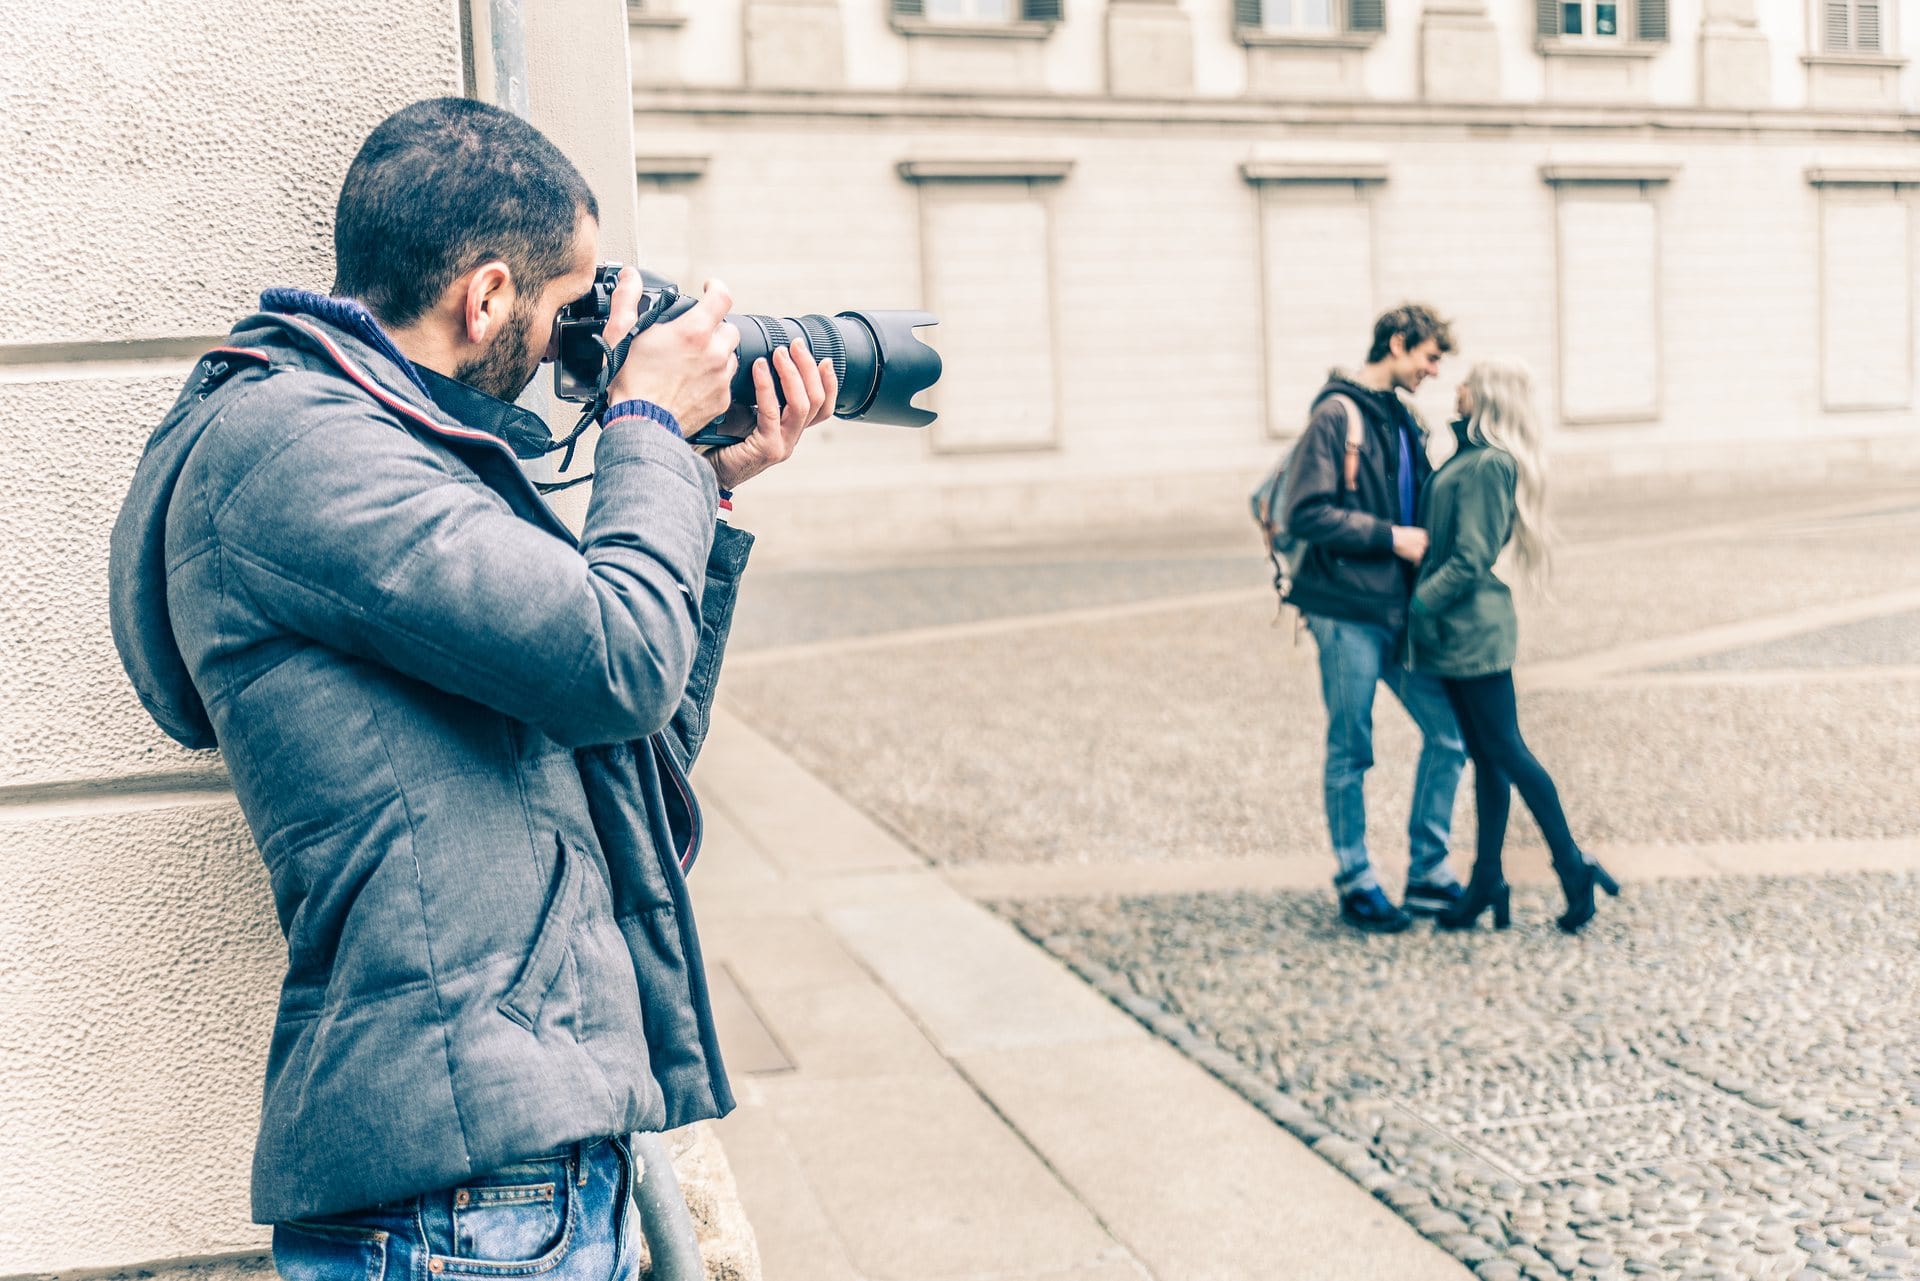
{"x":1412,"y":323}
{"x":442,"y":186}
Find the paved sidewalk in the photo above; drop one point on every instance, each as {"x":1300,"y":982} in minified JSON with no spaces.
{"x":925,"y":1095}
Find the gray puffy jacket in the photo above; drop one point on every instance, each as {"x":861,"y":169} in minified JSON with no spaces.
{"x":460,"y":738}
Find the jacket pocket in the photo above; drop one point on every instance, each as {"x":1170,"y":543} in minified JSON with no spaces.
{"x":528,"y":994}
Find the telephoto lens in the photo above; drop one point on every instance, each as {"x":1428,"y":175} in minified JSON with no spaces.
{"x":879,"y":360}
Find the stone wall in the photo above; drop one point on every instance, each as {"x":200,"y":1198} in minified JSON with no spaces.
{"x":1149,"y":233}
{"x":164,"y":163}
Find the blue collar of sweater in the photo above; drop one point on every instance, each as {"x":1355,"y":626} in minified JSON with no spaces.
{"x":343,"y":314}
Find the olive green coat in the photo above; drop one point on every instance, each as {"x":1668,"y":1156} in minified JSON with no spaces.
{"x":1462,"y":622}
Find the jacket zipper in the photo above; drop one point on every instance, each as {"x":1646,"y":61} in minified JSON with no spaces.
{"x":687,"y":856}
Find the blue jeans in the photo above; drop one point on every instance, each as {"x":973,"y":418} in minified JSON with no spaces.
{"x":565,"y":1217}
{"x":1354,"y":659}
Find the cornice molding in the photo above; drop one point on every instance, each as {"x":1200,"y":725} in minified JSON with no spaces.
{"x":1264,"y":172}
{"x":714,"y":103}
{"x":1607,"y":174}
{"x":985,"y":170}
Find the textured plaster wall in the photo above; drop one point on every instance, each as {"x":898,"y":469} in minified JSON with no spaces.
{"x":141,"y":959}
{"x":165,"y":159}
{"x":68,"y":710}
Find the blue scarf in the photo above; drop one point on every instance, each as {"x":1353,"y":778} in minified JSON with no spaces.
{"x":343,"y":314}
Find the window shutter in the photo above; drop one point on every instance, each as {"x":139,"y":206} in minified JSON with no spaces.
{"x":1549,"y":14}
{"x":1366,"y":15}
{"x":1041,"y":10}
{"x":1650,"y":22}
{"x":909,"y":8}
{"x":1838,"y":27}
{"x":1866,"y":26}
{"x":1246,"y":14}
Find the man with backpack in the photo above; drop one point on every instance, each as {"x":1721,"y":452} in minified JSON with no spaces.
{"x":1350,"y":500}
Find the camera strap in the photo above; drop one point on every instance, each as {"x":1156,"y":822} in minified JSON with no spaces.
{"x":612,"y":357}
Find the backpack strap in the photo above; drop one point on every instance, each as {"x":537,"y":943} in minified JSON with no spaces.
{"x":1356,"y":440}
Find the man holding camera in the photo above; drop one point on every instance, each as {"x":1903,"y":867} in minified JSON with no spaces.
{"x":459,"y":734}
{"x":1352,"y":494}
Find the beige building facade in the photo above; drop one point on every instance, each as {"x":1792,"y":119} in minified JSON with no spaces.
{"x":1150,"y":226}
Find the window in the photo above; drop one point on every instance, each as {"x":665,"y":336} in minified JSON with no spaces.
{"x":1283,"y":18}
{"x":1851,"y":26}
{"x":972,"y":12}
{"x":1590,"y":18}
{"x":1609,"y":306}
{"x":1635,"y":21}
{"x":969,"y":10}
{"x":1866,"y":318}
{"x":1297,"y":15}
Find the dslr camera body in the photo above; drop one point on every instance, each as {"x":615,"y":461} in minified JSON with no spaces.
{"x":878,"y":358}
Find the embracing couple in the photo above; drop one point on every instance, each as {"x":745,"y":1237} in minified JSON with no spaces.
{"x":1397,"y":585}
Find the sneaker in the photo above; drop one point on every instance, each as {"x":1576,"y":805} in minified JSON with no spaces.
{"x":1431,"y":900}
{"x":1373,"y":912}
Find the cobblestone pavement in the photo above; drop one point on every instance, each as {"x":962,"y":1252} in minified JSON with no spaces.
{"x":1719,"y":1079}
{"x":1193,"y":731}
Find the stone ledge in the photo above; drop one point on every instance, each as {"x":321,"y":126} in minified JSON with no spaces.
{"x":1255,"y":38}
{"x":1015,"y":29}
{"x":1580,"y":47}
{"x":1607,"y":174}
{"x":1863,"y":176}
{"x":1259,"y":172}
{"x":984,"y":170}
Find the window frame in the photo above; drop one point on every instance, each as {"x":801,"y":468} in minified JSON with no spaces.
{"x":1624,"y":16}
{"x":1821,"y":29}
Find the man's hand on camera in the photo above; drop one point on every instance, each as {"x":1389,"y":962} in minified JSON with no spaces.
{"x":684,"y":365}
{"x":1410,"y":543}
{"x":810,"y":388}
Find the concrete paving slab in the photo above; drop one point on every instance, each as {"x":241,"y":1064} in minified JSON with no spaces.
{"x":851,"y":1032}
{"x":812,"y":830}
{"x":925,"y":1182}
{"x":751,"y":1047}
{"x":797,"y":1240}
{"x":969,"y":978}
{"x":773,"y":955}
{"x":1185,"y":1173}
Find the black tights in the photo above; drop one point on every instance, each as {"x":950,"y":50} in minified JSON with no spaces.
{"x":1490,"y":724}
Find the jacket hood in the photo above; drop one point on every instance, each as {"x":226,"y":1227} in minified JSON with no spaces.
{"x":1385,"y":403}
{"x":137,"y":556}
{"x":137,"y":559}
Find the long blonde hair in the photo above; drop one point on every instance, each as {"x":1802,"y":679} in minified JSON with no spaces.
{"x":1504,"y":418}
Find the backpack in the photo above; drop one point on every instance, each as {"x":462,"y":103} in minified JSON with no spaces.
{"x":1284,"y":551}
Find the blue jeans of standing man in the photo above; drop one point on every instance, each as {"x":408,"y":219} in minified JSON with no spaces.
{"x":1354,"y":659}
{"x":564,"y":1217}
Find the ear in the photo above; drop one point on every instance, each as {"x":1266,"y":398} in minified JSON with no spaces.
{"x":1397,"y":344}
{"x":487,"y":301}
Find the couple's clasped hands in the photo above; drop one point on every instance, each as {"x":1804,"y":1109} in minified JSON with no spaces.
{"x":686,"y":366}
{"x":1410,"y":543}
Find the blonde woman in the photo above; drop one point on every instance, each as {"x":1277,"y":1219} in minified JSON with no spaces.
{"x":1463,"y":630}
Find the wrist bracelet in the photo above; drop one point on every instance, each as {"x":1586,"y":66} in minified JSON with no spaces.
{"x":642,"y":409}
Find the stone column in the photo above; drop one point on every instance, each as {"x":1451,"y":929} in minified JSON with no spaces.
{"x":794,"y":44}
{"x":1459,"y":52}
{"x":1736,"y":66}
{"x":1149,"y":49}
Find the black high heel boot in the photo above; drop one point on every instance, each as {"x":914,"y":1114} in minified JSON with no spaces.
{"x":1482,"y":893}
{"x":1602,"y":877}
{"x":1577,"y":881}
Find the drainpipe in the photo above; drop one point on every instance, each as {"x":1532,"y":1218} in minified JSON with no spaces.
{"x":673,"y":1247}
{"x":509,"y":30}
